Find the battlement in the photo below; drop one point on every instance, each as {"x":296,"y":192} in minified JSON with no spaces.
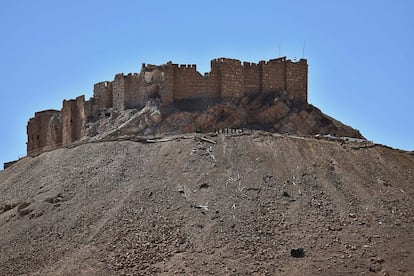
{"x":275,"y":60}
{"x":228,"y":78}
{"x":228,"y":61}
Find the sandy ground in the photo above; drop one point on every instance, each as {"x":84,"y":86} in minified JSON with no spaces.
{"x":228,"y":205}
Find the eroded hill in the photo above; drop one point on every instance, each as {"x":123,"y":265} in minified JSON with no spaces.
{"x":223,"y":204}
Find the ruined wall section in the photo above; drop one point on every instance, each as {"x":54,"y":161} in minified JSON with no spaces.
{"x":118,"y":90}
{"x":155,"y":83}
{"x":92,"y":109}
{"x":127,"y":91}
{"x":134,"y":91}
{"x":189,"y":83}
{"x":52,"y":128}
{"x":73,"y":120}
{"x":228,"y":78}
{"x":44,"y":132}
{"x":102,"y":95}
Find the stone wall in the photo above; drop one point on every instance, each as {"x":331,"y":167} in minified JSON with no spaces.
{"x":128,"y":91}
{"x":297,"y":80}
{"x":252,"y":75}
{"x":118,"y":90}
{"x":44,"y":131}
{"x":231,"y":79}
{"x":228,"y":78}
{"x":169,"y":83}
{"x":102,"y":93}
{"x":273,"y":75}
{"x":73,"y":120}
{"x":134,"y":91}
{"x":189,"y":83}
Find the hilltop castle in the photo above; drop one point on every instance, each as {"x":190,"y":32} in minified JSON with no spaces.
{"x":172,"y":84}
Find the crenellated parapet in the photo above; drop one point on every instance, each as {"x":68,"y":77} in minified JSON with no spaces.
{"x":171,"y":83}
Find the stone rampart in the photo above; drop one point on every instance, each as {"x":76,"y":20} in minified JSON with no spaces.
{"x":227,"y":79}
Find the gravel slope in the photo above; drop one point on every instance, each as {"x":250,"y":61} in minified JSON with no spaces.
{"x":188,"y":206}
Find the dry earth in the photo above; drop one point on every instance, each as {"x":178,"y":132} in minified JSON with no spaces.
{"x":185,"y":205}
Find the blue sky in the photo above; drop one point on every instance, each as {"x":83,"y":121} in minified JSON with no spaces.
{"x":360,"y":53}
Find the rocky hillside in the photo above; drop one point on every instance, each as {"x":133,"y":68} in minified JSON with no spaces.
{"x":250,"y":204}
{"x":271,"y":112}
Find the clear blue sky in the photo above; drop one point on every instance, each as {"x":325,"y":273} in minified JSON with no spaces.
{"x":360,"y":53}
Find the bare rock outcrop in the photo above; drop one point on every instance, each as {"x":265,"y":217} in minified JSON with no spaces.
{"x":271,"y":113}
{"x":129,"y":122}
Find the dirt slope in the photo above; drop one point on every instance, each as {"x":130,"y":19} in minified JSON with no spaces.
{"x":189,"y":206}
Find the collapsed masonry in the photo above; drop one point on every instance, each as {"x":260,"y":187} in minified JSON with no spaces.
{"x":171,"y":93}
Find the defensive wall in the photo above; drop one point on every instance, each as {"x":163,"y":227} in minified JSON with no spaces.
{"x":227,"y":79}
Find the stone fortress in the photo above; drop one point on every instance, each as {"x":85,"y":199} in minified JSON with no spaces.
{"x":172,"y":85}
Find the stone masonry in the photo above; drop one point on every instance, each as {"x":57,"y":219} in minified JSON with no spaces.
{"x":171,"y":83}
